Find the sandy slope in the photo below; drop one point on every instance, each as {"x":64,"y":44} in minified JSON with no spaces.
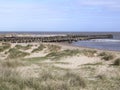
{"x":76,"y":61}
{"x":73,"y":62}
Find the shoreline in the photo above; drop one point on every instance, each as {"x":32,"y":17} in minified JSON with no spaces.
{"x":82,"y":47}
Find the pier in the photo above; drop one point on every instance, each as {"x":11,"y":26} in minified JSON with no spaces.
{"x":59,"y":38}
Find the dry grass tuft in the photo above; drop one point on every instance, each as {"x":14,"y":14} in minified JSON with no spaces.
{"x":11,"y":63}
{"x":10,"y":79}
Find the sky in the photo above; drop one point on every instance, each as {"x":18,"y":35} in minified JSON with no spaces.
{"x":60,"y":15}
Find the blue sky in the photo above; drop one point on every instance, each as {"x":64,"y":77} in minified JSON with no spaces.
{"x":59,"y":15}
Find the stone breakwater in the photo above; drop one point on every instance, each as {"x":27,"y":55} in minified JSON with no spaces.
{"x":51,"y":38}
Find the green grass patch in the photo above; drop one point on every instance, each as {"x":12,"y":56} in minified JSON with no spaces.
{"x":94,"y":64}
{"x":40,"y":48}
{"x":35,"y":59}
{"x":62,"y":63}
{"x":66,"y":53}
{"x":60,"y":68}
{"x":23,"y":47}
{"x":15,"y":53}
{"x":4,"y":47}
{"x":61,"y":54}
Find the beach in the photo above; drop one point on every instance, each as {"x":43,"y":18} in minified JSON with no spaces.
{"x":59,"y":44}
{"x":59,"y":66}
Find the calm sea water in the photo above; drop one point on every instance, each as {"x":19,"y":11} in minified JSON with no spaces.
{"x":106,"y":44}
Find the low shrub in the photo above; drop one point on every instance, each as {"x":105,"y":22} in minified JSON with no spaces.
{"x":102,"y":54}
{"x":117,"y":62}
{"x":106,"y":56}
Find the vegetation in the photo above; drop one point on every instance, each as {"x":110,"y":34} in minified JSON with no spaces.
{"x":53,"y":48}
{"x":106,"y":56}
{"x":4,"y":47}
{"x":40,"y":48}
{"x":15,"y":53}
{"x":94,"y":64}
{"x":48,"y":79}
{"x":51,"y":78}
{"x":11,"y":63}
{"x":35,"y":59}
{"x":89,"y":53}
{"x":117,"y":62}
{"x":44,"y":82}
{"x":66,"y":53}
{"x":102,"y":54}
{"x":23,"y":47}
{"x":18,"y":73}
{"x":61,"y":54}
{"x":103,"y":83}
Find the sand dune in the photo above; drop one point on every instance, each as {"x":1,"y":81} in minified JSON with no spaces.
{"x":56,"y":66}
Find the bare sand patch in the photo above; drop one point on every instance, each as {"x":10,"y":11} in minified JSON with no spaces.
{"x":76,"y":61}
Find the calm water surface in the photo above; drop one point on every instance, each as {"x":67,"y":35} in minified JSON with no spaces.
{"x":105,"y":44}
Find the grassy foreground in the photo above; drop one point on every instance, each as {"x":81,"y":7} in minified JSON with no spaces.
{"x":48,"y":78}
{"x":20,"y":73}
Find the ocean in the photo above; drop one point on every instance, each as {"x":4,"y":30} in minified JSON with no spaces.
{"x":105,"y":44}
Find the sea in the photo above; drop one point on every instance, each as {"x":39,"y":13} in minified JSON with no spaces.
{"x":104,"y":44}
